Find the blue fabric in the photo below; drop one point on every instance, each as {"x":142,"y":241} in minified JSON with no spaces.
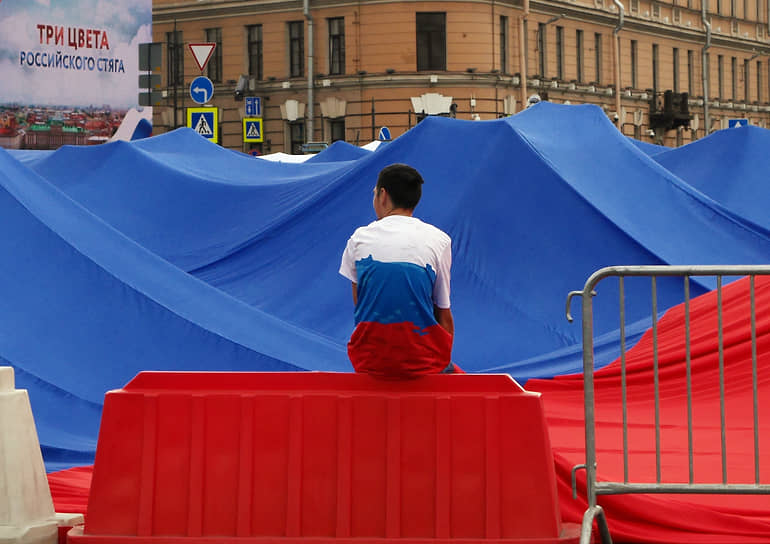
{"x":339,"y":151}
{"x":29,"y":156}
{"x":85,"y":308}
{"x":173,"y":253}
{"x":648,"y":148}
{"x":729,"y":166}
{"x":143,"y":130}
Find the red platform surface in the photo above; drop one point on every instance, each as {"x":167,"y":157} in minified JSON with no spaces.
{"x":186,"y":457}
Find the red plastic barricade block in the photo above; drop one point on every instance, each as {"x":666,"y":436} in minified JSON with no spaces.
{"x":288,"y":457}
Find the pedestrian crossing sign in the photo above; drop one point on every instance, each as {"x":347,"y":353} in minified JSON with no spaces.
{"x":204,"y":121}
{"x":252,"y":130}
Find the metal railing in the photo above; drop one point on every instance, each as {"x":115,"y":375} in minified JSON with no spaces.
{"x":594,"y":487}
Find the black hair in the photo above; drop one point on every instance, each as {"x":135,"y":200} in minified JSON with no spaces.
{"x":402,"y":183}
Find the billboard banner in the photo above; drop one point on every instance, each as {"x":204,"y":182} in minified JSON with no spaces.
{"x":68,"y":69}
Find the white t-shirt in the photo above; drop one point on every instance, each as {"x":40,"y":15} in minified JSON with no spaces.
{"x":402,"y":239}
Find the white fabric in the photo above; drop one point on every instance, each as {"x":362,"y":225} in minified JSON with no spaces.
{"x":402,"y":239}
{"x":284,"y":157}
{"x":130,"y":121}
{"x":371,"y":146}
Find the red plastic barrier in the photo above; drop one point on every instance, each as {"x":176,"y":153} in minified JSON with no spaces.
{"x":332,"y":457}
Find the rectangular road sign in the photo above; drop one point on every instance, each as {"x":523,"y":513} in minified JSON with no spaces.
{"x":150,"y":98}
{"x":150,"y":56}
{"x":149,"y":81}
{"x":204,"y":121}
{"x":735,"y":123}
{"x":254,"y":106}
{"x":252,"y":130}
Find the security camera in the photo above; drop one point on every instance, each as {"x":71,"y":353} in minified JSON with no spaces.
{"x":650,"y":132}
{"x":615,"y":116}
{"x":240,"y":87}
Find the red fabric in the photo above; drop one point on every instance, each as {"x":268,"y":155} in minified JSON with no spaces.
{"x":69,"y":489}
{"x":676,"y":518}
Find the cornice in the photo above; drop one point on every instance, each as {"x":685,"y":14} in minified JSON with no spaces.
{"x":210,"y":9}
{"x":443,"y":80}
{"x":191,"y":11}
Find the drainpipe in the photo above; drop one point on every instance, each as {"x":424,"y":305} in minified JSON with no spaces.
{"x":310,"y":51}
{"x":704,"y":67}
{"x":523,"y":52}
{"x":616,"y":45}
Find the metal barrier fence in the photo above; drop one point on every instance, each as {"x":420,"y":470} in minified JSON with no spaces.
{"x":594,"y":487}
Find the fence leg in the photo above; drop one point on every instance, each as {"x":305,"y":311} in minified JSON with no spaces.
{"x":588,"y":525}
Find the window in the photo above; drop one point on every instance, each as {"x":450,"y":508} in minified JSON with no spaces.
{"x":336,"y":46}
{"x":759,"y":81}
{"x":634,"y":7}
{"x":675,"y":66}
{"x":746,"y":92}
{"x":337,"y":129}
{"x":598,"y":56}
{"x":677,"y":15}
{"x":634,"y":64}
{"x":579,"y":55}
{"x":254,"y":50}
{"x":655,"y":67}
{"x":734,"y":78}
{"x":431,"y":41}
{"x":214,"y":35}
{"x":560,"y":52}
{"x":541,"y":58}
{"x":719,"y":6}
{"x":655,"y":10}
{"x":296,"y":137}
{"x":690,"y":72}
{"x":733,"y":8}
{"x":296,"y":49}
{"x":503,"y":44}
{"x":174,"y":58}
{"x":720,"y":76}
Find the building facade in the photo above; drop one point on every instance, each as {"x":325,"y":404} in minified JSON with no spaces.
{"x":330,"y":70}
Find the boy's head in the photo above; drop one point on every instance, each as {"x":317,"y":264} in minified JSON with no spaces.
{"x":402,"y":183}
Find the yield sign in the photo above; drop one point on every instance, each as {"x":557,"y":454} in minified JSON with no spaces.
{"x":202,"y":53}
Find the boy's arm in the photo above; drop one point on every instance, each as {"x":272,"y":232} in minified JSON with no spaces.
{"x":355,"y":293}
{"x":444,"y":318}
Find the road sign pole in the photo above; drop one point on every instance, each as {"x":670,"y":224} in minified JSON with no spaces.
{"x":175,"y":71}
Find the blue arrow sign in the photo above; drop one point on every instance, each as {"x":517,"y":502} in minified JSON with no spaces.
{"x":201,"y":89}
{"x":735,"y":123}
{"x":254,"y":106}
{"x":384,"y":134}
